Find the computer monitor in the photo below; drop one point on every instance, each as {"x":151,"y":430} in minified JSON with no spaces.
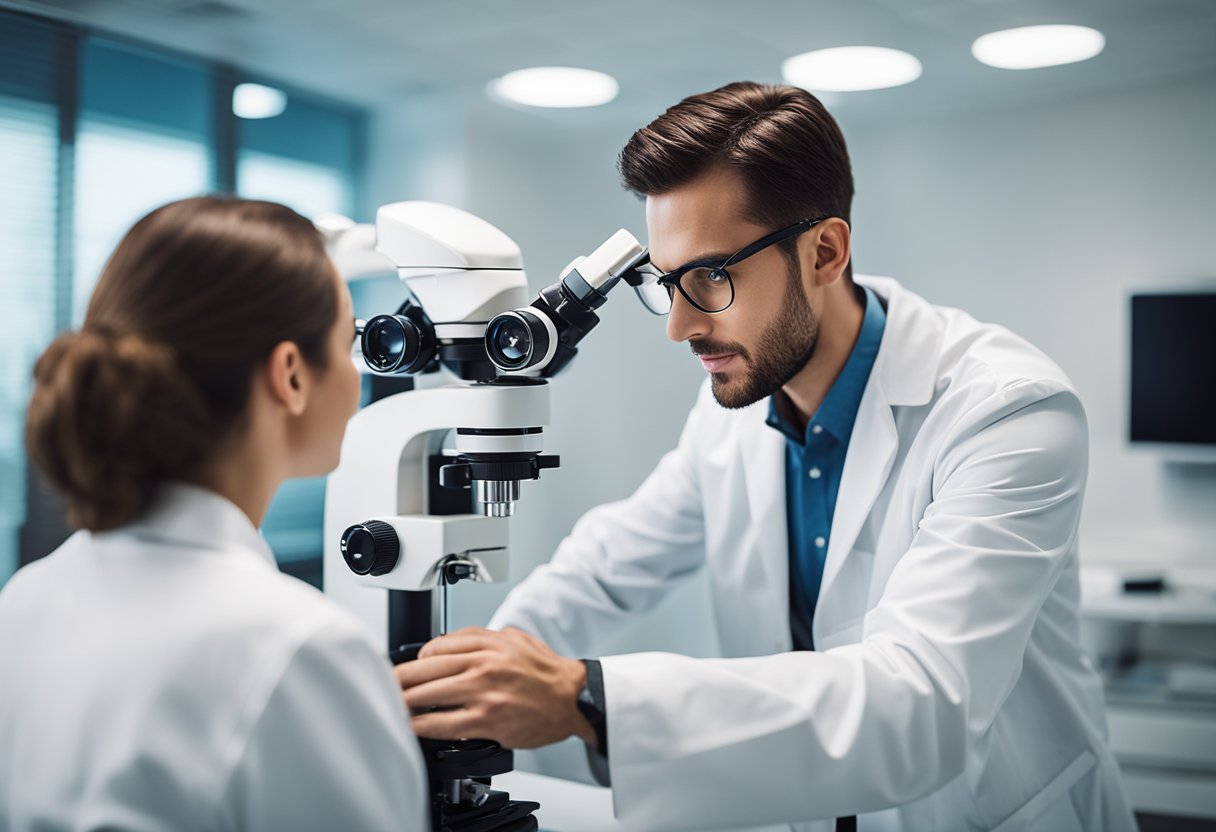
{"x":1173,"y":372}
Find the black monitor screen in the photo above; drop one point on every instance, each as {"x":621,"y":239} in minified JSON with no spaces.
{"x":1173,"y":379}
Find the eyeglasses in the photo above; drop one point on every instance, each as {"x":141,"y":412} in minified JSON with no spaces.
{"x":706,"y":285}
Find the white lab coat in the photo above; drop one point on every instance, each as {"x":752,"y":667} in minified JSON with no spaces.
{"x":166,"y":676}
{"x":948,"y":690}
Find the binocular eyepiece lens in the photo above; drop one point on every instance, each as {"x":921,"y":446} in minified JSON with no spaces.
{"x":394,"y":344}
{"x":512,"y":340}
{"x":385,"y":341}
{"x":517,"y":340}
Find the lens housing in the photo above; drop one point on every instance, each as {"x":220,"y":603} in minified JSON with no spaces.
{"x":397,"y":344}
{"x":521,"y":340}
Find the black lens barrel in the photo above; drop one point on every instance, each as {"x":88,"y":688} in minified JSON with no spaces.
{"x":517,"y":340}
{"x":398,"y":344}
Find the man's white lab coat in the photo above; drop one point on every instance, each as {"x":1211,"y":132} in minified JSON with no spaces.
{"x":166,"y":676}
{"x":948,"y":689}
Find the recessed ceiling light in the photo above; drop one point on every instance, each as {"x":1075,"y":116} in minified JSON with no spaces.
{"x":556,"y":86}
{"x":851,"y":68}
{"x":1032,"y":47}
{"x":258,"y":101}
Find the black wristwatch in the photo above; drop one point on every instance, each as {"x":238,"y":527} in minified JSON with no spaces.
{"x":591,"y":704}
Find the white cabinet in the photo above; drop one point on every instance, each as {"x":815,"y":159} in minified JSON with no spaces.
{"x":1167,"y":753}
{"x":1161,"y":701}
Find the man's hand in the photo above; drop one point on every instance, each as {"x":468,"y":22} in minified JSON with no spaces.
{"x":507,"y":686}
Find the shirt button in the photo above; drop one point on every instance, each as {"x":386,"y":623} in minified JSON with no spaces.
{"x":816,"y":429}
{"x":820,"y":542}
{"x":815,"y":473}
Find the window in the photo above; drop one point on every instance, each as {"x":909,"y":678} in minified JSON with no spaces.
{"x":144,"y":139}
{"x":307,"y":157}
{"x":29,"y":181}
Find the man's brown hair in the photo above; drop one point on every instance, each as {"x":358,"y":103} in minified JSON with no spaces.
{"x":781,"y":140}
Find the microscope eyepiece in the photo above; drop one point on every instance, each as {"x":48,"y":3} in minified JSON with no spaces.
{"x":384,"y":341}
{"x":541,"y":339}
{"x":520,"y":340}
{"x":403,"y":343}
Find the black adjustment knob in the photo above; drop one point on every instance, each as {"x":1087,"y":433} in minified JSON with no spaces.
{"x":371,"y":548}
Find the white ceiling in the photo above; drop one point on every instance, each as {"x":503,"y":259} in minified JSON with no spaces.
{"x":379,"y":52}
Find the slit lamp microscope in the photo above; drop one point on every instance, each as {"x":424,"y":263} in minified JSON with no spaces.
{"x":429,"y":477}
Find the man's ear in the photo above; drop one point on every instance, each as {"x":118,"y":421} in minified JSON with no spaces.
{"x":287,"y":377}
{"x":832,"y":248}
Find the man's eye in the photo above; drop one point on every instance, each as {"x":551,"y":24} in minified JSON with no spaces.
{"x":716,"y":275}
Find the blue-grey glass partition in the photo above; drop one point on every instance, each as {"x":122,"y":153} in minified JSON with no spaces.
{"x":29,"y":206}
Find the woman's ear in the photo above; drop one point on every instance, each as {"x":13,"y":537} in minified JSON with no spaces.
{"x":287,"y":377}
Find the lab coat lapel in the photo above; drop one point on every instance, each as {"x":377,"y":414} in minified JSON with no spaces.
{"x":866,"y":468}
{"x":904,"y":374}
{"x":764,"y":473}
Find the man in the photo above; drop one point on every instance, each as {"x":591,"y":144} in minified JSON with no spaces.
{"x":886,"y":497}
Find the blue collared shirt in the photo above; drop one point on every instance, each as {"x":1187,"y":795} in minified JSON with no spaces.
{"x":814,"y":463}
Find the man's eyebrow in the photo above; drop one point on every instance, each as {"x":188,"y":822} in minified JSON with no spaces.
{"x":712,"y":258}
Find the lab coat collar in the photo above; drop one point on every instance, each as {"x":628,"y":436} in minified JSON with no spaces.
{"x":187,"y":515}
{"x":837,"y":414}
{"x":906,"y":367}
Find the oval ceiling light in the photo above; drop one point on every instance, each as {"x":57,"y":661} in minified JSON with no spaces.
{"x":1033,"y":47}
{"x":851,"y":69}
{"x":556,"y":86}
{"x":258,"y":101}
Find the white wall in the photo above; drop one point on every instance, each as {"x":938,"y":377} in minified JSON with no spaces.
{"x":1037,"y":217}
{"x":1041,"y":219}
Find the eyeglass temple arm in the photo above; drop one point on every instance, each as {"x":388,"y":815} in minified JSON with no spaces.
{"x":777,"y":236}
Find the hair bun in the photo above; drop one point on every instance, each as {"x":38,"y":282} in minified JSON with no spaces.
{"x":111,"y":416}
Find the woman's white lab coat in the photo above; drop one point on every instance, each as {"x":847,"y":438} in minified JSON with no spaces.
{"x":948,"y":690}
{"x":166,"y":676}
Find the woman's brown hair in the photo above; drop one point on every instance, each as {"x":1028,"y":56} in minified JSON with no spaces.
{"x":196,"y":295}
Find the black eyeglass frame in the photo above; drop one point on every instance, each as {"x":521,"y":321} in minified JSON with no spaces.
{"x":672,"y":278}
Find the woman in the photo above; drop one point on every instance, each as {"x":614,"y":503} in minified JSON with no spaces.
{"x":158,"y":671}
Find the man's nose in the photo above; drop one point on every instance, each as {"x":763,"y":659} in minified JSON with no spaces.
{"x":685,"y":322}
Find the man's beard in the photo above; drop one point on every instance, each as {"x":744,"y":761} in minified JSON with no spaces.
{"x":783,"y":349}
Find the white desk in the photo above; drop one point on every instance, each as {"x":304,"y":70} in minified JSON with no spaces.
{"x":574,"y":807}
{"x":564,"y":806}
